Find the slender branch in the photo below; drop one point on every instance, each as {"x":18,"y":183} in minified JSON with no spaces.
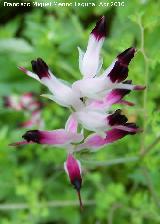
{"x":142,"y":50}
{"x":111,"y":162}
{"x":22,"y":206}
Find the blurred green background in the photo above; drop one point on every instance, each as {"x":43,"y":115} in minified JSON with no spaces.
{"x":121,"y":183}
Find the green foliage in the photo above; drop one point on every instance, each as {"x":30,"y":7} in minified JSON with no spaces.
{"x":33,"y":176}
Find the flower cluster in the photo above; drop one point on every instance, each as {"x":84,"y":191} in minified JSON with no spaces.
{"x":90,"y":100}
{"x":29,"y":104}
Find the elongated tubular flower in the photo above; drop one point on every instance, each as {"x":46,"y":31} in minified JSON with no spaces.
{"x":95,"y":141}
{"x":73,"y":170}
{"x":99,"y":121}
{"x":59,"y":137}
{"x":90,"y":62}
{"x":63,"y":94}
{"x":114,"y":96}
{"x":112,"y":78}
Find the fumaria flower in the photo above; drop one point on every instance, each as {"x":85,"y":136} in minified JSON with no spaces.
{"x":58,"y":138}
{"x":62,"y":92}
{"x":90,"y":100}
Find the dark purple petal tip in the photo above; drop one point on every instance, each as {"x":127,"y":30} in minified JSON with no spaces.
{"x":33,"y":135}
{"x":126,"y":56}
{"x":117,"y":118}
{"x":118,"y":73}
{"x":40,"y":68}
{"x":100,"y":29}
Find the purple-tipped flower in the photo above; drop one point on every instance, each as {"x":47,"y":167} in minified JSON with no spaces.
{"x":95,"y":141}
{"x":112,"y":78}
{"x":117,"y":94}
{"x":73,"y":170}
{"x":90,"y":62}
{"x":59,"y":137}
{"x":114,"y":96}
{"x":99,"y":121}
{"x":62,"y":93}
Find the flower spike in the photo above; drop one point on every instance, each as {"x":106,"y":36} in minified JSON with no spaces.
{"x":73,"y":170}
{"x":89,"y":100}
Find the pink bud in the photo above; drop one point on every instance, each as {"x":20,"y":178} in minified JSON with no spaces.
{"x":73,"y":170}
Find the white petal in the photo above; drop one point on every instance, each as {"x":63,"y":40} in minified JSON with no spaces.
{"x":92,"y":120}
{"x":53,"y":98}
{"x":91,"y":59}
{"x":79,"y":165}
{"x":92,"y":87}
{"x":63,"y":94}
{"x":65,"y":168}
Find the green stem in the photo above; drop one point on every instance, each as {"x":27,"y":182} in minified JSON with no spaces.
{"x":111,"y":162}
{"x":146,"y":71}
